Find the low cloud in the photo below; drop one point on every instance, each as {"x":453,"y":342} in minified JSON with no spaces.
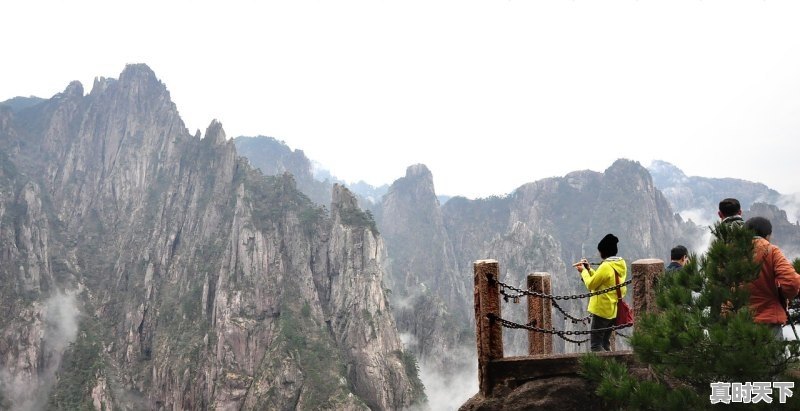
{"x":28,"y":391}
{"x":791,"y":204}
{"x":449,"y":389}
{"x":705,"y":220}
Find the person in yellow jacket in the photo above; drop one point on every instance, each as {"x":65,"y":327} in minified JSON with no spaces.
{"x":603,"y":307}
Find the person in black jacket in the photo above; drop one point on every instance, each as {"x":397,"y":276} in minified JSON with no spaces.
{"x":730,"y":212}
{"x":679,"y":256}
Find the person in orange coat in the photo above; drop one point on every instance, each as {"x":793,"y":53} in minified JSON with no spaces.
{"x":777,"y":282}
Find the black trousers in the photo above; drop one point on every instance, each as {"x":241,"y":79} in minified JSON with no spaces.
{"x":601,"y":341}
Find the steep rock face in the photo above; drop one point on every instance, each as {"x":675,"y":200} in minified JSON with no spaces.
{"x":427,"y":285}
{"x":411,"y":222}
{"x":199,"y":281}
{"x":357,"y":306}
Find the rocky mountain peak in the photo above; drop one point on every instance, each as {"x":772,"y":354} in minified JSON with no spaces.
{"x":419,"y":171}
{"x":624,"y":166}
{"x":138,"y":73}
{"x":343,"y":199}
{"x":101,"y":84}
{"x":214,"y":133}
{"x":666,"y":174}
{"x":74,"y":89}
{"x":415,"y":188}
{"x":138,"y":83}
{"x":630,"y":173}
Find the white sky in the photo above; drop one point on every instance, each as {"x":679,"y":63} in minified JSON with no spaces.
{"x":488,"y":94}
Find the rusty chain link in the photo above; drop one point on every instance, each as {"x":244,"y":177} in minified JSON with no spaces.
{"x":520,"y":292}
{"x":561,"y":333}
{"x":579,"y":342}
{"x":575,"y":320}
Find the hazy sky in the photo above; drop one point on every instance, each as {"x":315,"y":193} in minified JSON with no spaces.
{"x":488,"y":94}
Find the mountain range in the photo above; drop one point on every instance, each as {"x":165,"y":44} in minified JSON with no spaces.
{"x":145,"y":267}
{"x":541,"y":226}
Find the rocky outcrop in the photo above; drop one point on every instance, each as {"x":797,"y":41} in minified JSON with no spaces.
{"x":200,"y":283}
{"x":565,"y":393}
{"x":274,"y":157}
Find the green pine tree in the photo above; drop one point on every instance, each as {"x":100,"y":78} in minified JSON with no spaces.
{"x":703,"y":333}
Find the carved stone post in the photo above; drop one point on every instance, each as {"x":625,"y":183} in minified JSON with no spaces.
{"x":540,"y":314}
{"x":645,"y":275}
{"x":489,"y":334}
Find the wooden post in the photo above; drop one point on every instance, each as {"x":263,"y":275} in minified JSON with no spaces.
{"x":540,"y":314}
{"x":489,"y":334}
{"x":645,"y":275}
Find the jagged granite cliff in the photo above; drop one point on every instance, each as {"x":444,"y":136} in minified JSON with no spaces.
{"x":146,"y":268}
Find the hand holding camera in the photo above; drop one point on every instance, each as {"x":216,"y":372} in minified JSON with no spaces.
{"x":581,"y":265}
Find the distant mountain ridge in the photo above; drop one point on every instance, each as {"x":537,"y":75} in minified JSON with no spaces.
{"x":698,"y":198}
{"x":275,"y":157}
{"x":686,"y":193}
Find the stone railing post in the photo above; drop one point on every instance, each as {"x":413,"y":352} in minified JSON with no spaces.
{"x":645,"y":276}
{"x":489,"y":334}
{"x":540,"y":314}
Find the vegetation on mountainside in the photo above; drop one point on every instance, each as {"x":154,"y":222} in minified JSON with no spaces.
{"x":412,"y":370}
{"x":308,"y":344}
{"x":78,"y":373}
{"x":356,"y":218}
{"x":693,"y":341}
{"x":271,"y":197}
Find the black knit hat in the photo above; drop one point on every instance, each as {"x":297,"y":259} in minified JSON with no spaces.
{"x":608,"y":246}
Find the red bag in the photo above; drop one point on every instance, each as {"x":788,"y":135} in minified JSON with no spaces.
{"x":624,"y":311}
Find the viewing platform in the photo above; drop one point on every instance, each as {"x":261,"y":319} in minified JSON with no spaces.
{"x":497,"y":373}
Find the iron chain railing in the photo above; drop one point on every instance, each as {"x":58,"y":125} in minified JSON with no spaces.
{"x":532,"y":327}
{"x":521,"y":292}
{"x":563,"y":334}
{"x":575,"y":320}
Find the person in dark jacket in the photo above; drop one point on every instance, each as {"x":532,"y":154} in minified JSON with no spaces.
{"x":730,"y":212}
{"x":679,"y":256}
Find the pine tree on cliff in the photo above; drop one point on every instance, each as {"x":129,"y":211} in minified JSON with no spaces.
{"x":703,"y":333}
